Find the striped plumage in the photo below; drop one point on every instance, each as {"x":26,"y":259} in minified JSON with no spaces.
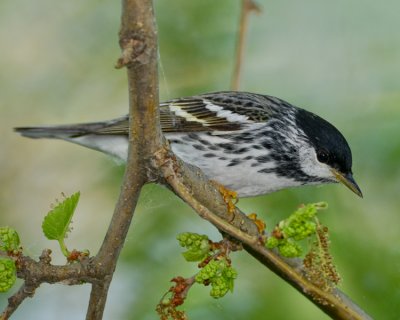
{"x":253,"y":144}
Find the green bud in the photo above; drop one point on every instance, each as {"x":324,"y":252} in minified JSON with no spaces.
{"x":290,"y":249}
{"x":9,"y":239}
{"x":298,"y":226}
{"x":272,"y":242}
{"x":218,"y":288}
{"x":7,"y":274}
{"x":198,"y":246}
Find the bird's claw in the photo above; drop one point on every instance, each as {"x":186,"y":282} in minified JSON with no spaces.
{"x":258,"y":222}
{"x":229,"y":196}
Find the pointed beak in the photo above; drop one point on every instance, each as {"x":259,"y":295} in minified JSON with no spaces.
{"x":348,"y":181}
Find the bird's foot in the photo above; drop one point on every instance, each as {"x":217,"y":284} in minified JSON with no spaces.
{"x":258,"y":222}
{"x":229,"y":196}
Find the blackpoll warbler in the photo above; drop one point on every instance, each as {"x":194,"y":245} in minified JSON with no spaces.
{"x":253,"y":144}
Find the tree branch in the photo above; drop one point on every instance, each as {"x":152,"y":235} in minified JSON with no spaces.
{"x":138,"y":42}
{"x":25,"y":291}
{"x":37,"y":272}
{"x":192,"y":186}
{"x":335,"y":304}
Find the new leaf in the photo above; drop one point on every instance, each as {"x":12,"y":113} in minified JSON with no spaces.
{"x":56,"y":223}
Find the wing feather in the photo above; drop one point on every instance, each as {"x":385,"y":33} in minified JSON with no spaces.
{"x":220,"y":111}
{"x":197,"y":114}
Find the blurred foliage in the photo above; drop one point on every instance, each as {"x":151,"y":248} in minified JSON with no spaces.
{"x":338,"y":59}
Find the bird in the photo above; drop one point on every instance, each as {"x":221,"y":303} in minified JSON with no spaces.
{"x":253,"y":144}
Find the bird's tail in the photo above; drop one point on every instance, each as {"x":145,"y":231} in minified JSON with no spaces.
{"x":59,"y":132}
{"x":110,"y":137}
{"x":55,"y":132}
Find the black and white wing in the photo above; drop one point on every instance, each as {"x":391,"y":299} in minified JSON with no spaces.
{"x":198,"y":114}
{"x":220,"y":111}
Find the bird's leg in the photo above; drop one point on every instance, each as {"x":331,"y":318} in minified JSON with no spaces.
{"x":258,"y":222}
{"x":229,"y":196}
{"x":231,"y":199}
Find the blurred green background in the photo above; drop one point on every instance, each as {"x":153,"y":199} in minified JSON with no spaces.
{"x":340,"y":59}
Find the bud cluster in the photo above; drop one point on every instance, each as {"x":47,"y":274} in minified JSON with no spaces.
{"x":220,"y":274}
{"x":298,"y":226}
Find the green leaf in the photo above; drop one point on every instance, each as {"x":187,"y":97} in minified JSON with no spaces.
{"x":7,"y":274}
{"x":192,"y":256}
{"x":56,"y":223}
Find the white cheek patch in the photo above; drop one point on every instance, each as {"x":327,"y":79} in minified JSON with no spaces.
{"x":311,"y":166}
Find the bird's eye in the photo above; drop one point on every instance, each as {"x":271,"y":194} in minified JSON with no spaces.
{"x":322,"y":156}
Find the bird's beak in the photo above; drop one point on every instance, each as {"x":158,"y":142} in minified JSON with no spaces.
{"x":348,"y":181}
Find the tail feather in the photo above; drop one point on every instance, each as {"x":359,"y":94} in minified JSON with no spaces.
{"x":92,"y":135}
{"x":62,"y":131}
{"x":55,"y":132}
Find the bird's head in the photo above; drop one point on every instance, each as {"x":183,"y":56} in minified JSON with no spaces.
{"x":324,"y":153}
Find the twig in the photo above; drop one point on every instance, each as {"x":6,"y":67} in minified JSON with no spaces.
{"x":191,"y":185}
{"x":25,"y":291}
{"x":36,"y":272}
{"x":98,"y":298}
{"x":138,"y":41}
{"x":248,"y":6}
{"x":335,"y":304}
{"x":167,"y":307}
